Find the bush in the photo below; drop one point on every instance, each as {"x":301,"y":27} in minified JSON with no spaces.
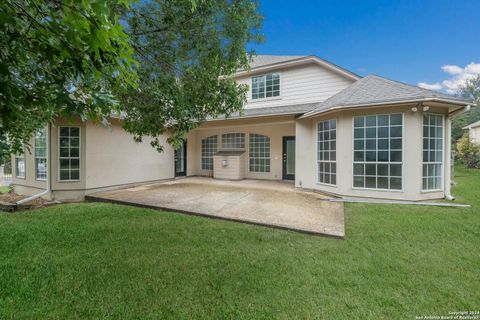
{"x":468,"y":152}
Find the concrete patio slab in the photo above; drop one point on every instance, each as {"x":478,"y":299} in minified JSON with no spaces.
{"x":268,"y":203}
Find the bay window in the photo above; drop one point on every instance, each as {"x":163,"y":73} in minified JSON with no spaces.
{"x":432,"y":152}
{"x":378,"y":151}
{"x":327,"y":152}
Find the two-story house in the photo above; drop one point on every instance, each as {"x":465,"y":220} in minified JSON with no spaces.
{"x":306,"y":120}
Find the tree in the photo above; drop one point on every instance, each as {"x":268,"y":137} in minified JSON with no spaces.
{"x":470,"y":91}
{"x":468,"y":152}
{"x":60,"y":58}
{"x":187,"y":51}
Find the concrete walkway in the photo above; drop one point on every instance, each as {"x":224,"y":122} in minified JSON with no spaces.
{"x":269,"y":203}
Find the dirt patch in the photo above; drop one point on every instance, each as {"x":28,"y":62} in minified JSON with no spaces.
{"x":12,"y":198}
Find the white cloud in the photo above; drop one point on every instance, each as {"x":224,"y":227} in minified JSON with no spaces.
{"x":458,"y":77}
{"x":452,"y":69}
{"x":430,"y":86}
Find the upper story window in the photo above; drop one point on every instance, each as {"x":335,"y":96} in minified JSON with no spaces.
{"x":266,"y":86}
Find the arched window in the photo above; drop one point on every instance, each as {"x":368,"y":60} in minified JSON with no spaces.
{"x":234,"y":140}
{"x":259,"y":153}
{"x":209,"y":148}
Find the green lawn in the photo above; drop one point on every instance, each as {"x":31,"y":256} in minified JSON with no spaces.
{"x":4,"y":189}
{"x":110,"y":261}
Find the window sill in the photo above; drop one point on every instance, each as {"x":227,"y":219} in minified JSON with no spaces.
{"x":20,"y":177}
{"x":432,"y":191}
{"x":264,"y":99}
{"x":326,"y":184}
{"x":67,"y":181}
{"x":381,"y":190}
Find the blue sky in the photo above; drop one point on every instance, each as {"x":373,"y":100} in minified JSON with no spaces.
{"x":405,"y":40}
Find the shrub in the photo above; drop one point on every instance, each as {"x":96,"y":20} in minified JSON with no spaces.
{"x":468,"y":152}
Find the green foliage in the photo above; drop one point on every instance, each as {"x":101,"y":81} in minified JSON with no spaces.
{"x":187,"y":51}
{"x":468,"y":152}
{"x":470,"y":91}
{"x":60,"y":58}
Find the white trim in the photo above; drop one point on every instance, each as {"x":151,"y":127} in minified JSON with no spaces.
{"x":300,"y":61}
{"x":79,"y":155}
{"x":383,"y":103}
{"x":388,"y":163}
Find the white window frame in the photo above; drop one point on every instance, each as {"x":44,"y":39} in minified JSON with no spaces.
{"x":59,"y":179}
{"x":330,"y":150}
{"x":20,"y":156}
{"x":235,"y":135}
{"x":37,"y":158}
{"x":379,"y":162}
{"x":442,"y":163}
{"x":264,"y":76}
{"x":201,"y":151}
{"x":269,"y":158}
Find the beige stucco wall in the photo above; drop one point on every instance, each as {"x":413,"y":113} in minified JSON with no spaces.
{"x":306,"y":175}
{"x":109,"y":157}
{"x":114,"y":158}
{"x":273,"y":127}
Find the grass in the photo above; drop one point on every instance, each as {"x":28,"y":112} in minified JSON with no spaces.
{"x":4,"y":189}
{"x":109,"y":261}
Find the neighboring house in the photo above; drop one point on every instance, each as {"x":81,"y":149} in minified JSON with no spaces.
{"x":306,"y":120}
{"x":474,"y":131}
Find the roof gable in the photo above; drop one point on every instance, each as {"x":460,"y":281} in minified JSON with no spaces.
{"x":268,"y":63}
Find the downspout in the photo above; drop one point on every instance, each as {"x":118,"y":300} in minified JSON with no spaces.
{"x":448,"y":133}
{"x":47,"y":188}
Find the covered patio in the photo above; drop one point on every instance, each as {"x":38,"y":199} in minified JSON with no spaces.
{"x":261,"y":202}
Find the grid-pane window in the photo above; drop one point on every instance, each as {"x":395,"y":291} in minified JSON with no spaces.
{"x":432,"y":151}
{"x":377,"y":156}
{"x":20,"y":165}
{"x":259,"y":153}
{"x":327,"y":151}
{"x":209,"y":148}
{"x":266,"y":86}
{"x":69,"y":153}
{"x":41,"y":154}
{"x":234,"y":140}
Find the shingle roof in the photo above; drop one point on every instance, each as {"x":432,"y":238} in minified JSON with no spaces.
{"x":373,"y":90}
{"x":296,"y":109}
{"x":265,"y":60}
{"x":473,"y":125}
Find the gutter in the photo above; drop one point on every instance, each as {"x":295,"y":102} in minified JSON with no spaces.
{"x":386,"y":103}
{"x":48,"y":187}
